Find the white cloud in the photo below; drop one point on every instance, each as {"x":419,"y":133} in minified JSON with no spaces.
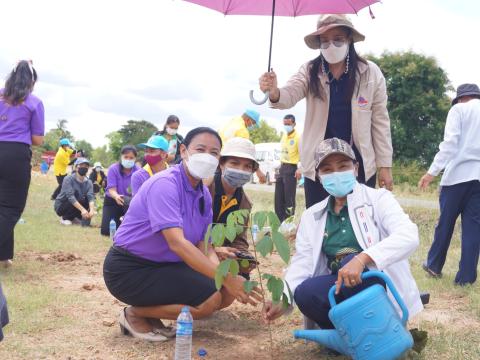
{"x":104,"y":62}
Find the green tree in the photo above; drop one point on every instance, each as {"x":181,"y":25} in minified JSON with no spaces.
{"x":53,"y":136}
{"x":115,"y":143}
{"x":417,"y":104}
{"x":103,"y":155}
{"x":133,"y":133}
{"x":264,"y":133}
{"x":85,"y":146}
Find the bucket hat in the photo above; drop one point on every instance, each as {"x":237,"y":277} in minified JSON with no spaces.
{"x":329,"y":21}
{"x":65,"y":141}
{"x":466,"y":90}
{"x":254,"y":115}
{"x":241,"y":148}
{"x":155,"y":142}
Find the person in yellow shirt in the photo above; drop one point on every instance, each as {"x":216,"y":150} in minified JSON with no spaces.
{"x":240,"y":127}
{"x":60,"y":164}
{"x":288,"y":174}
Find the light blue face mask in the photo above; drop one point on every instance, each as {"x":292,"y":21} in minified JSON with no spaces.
{"x":128,"y":164}
{"x":339,"y":184}
{"x":288,"y":128}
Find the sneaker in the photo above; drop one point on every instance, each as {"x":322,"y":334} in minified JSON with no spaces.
{"x":65,"y":222}
{"x":77,"y":221}
{"x":430,"y":272}
{"x":6,"y":263}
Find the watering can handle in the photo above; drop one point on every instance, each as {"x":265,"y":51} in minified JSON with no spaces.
{"x":391,"y":287}
{"x":259,"y":102}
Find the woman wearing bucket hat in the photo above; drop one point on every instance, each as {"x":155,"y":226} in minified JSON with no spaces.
{"x":98,"y":178}
{"x":156,"y":154}
{"x":237,"y":165}
{"x":346,"y":97}
{"x":76,"y":200}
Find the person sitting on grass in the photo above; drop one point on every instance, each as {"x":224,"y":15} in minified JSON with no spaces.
{"x":237,"y":164}
{"x":156,"y":153}
{"x":75,"y":203}
{"x":363,"y":229}
{"x":159,"y":262}
{"x":98,"y":178}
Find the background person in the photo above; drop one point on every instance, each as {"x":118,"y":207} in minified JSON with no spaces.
{"x":98,"y":178}
{"x":157,"y":263}
{"x":237,"y":165}
{"x":346,"y":97}
{"x":22,"y":124}
{"x":119,"y":189}
{"x":76,"y":201}
{"x":3,"y":312}
{"x":60,"y":164}
{"x":241,"y":127}
{"x":459,"y":155}
{"x":354,"y":240}
{"x":170,"y":133}
{"x":288,"y":174}
{"x":156,"y":154}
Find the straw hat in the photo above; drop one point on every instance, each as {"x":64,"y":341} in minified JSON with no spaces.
{"x":327,"y":22}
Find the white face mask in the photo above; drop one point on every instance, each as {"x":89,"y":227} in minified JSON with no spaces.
{"x":202,"y":165}
{"x":333,"y":54}
{"x":171,"y":131}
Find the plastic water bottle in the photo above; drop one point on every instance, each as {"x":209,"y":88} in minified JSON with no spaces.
{"x":183,"y":342}
{"x":21,"y":221}
{"x":254,"y":233}
{"x":113,"y":228}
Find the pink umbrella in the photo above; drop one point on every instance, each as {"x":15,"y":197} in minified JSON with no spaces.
{"x":283,"y":8}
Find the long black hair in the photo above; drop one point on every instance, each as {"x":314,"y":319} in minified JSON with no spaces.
{"x":19,"y":82}
{"x":315,"y":66}
{"x":171,"y":119}
{"x":198,"y":131}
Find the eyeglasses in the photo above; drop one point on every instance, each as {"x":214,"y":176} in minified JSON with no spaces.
{"x":337,"y":43}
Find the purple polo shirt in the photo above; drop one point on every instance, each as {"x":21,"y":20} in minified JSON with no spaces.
{"x":138,"y":179}
{"x":18,"y":123}
{"x":119,"y":180}
{"x":166,"y":200}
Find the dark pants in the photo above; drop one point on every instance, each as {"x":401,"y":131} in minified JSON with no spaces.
{"x":285,"y":191}
{"x":59,"y":187}
{"x":315,"y":193}
{"x":69,"y":212}
{"x":15,"y":174}
{"x":111,"y":210}
{"x":311,"y":296}
{"x":460,"y":199}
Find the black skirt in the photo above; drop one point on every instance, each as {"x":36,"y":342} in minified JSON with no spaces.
{"x":141,"y":282}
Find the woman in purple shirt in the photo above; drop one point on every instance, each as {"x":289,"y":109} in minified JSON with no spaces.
{"x":21,"y":125}
{"x":157,"y":263}
{"x":119,"y":190}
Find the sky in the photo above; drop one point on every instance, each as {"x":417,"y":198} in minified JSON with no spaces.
{"x":103,"y":62}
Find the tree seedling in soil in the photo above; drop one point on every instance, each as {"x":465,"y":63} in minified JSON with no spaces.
{"x":265,"y":241}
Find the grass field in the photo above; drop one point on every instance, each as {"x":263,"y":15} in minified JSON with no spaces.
{"x":60,"y":308}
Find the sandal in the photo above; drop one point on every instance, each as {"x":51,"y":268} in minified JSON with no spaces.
{"x":431,"y":272}
{"x":159,"y":328}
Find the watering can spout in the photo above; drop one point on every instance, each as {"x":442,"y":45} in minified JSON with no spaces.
{"x":328,"y":338}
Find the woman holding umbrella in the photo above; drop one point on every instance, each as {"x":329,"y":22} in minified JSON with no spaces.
{"x":346,"y":98}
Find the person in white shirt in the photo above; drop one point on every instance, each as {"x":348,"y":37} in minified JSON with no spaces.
{"x":355,"y":229}
{"x":459,"y":155}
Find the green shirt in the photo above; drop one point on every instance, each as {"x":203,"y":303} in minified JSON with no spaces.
{"x":339,"y":239}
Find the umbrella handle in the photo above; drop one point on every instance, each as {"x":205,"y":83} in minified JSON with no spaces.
{"x":259,"y":102}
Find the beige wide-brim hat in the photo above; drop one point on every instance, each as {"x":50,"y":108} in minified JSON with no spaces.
{"x":241,"y":148}
{"x":329,"y":21}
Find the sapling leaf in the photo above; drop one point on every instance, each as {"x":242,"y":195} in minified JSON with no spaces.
{"x":265,"y":246}
{"x":240,"y":218}
{"x":275,"y":286}
{"x":244,"y":263}
{"x":282,"y":246}
{"x":231,"y":219}
{"x":206,"y":238}
{"x":267,"y":276}
{"x":218,"y":235}
{"x":285,"y":302}
{"x":222,"y":271}
{"x":239,"y":229}
{"x":231,"y":232}
{"x":248,"y":286}
{"x":234,"y":267}
{"x":274,"y":221}
{"x":260,"y":218}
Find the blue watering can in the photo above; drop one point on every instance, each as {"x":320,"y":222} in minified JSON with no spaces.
{"x":367,"y":325}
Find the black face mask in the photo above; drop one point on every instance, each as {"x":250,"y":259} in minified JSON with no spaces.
{"x":82,"y":171}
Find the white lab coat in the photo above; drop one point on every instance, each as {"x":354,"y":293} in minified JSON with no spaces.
{"x":382,"y":229}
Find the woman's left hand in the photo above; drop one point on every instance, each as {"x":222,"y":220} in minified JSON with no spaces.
{"x":349,"y":274}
